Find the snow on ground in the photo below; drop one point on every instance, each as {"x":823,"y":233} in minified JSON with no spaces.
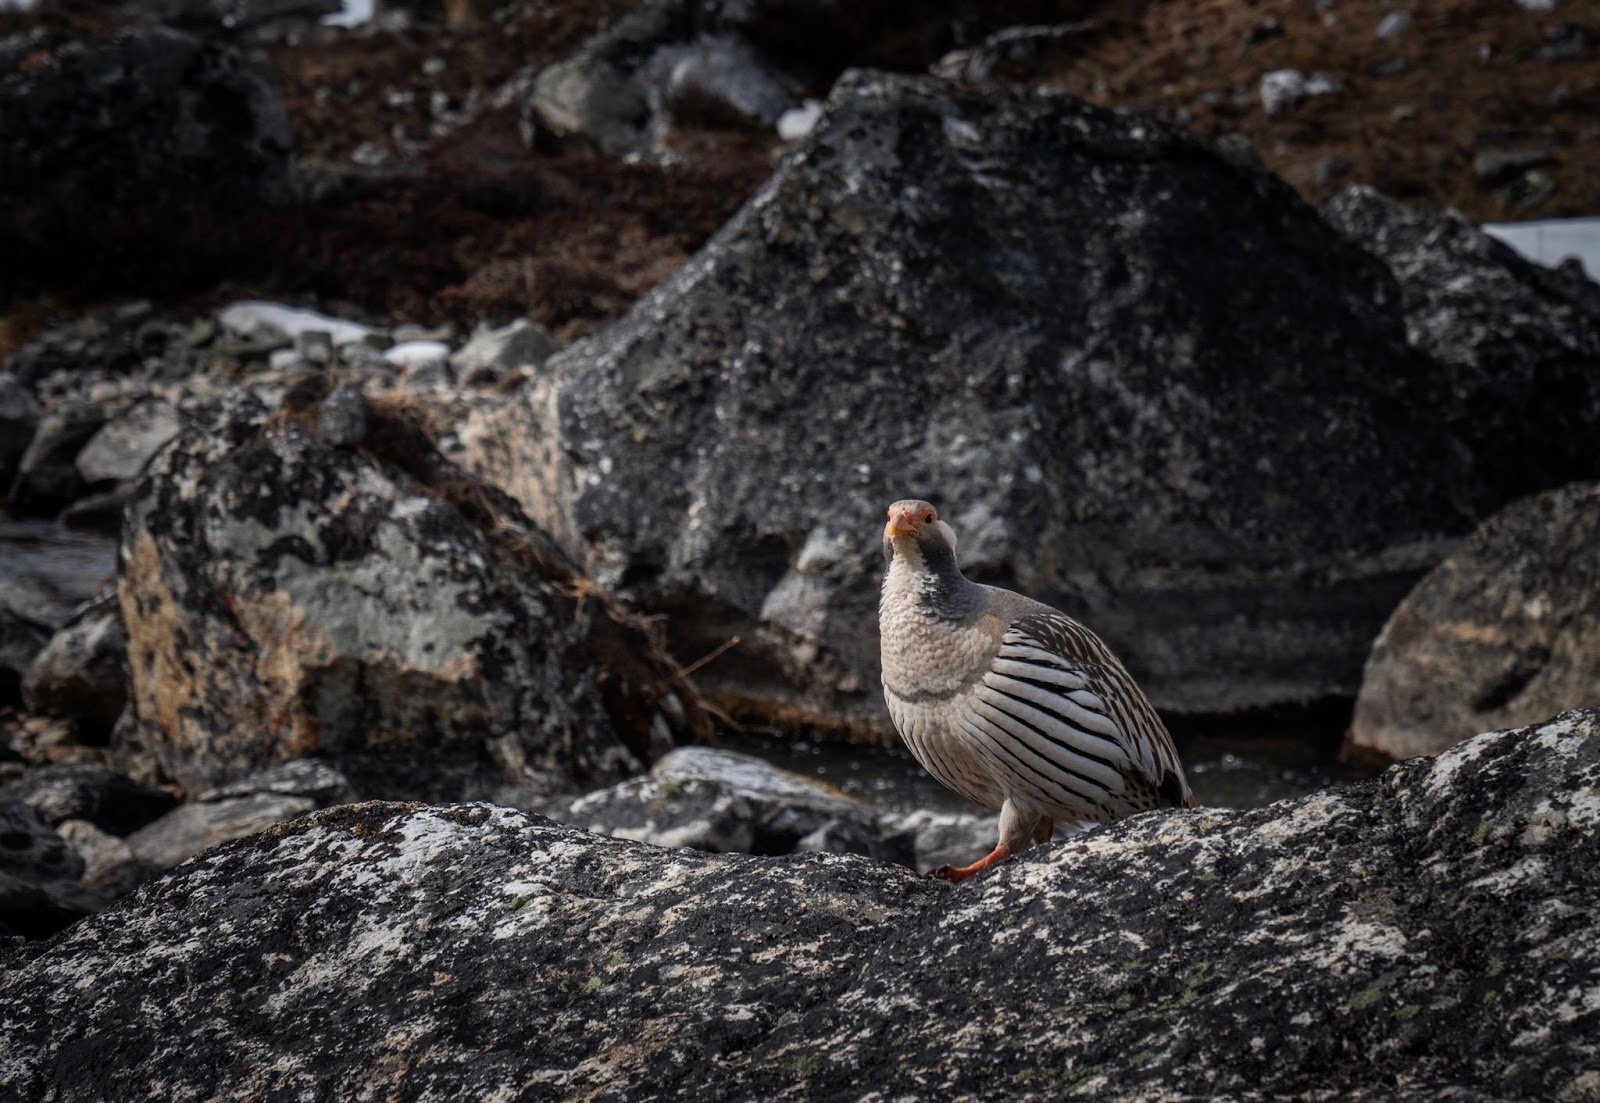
{"x":1553,"y":240}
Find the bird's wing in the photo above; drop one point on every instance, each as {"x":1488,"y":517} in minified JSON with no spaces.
{"x":1063,"y":711}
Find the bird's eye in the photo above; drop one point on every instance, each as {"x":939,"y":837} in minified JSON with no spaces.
{"x":928,"y":518}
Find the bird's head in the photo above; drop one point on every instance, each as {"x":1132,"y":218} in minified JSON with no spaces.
{"x":915,"y":533}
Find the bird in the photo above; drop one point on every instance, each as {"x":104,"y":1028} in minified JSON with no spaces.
{"x":1009,"y":702}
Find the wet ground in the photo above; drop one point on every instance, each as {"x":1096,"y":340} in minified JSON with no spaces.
{"x":1230,"y":763}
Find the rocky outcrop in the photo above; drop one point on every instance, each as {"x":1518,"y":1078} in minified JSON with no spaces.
{"x":1504,"y":631}
{"x":119,"y":137}
{"x":1519,"y":341}
{"x":286,"y":597}
{"x":1031,"y":311}
{"x":1429,"y":935}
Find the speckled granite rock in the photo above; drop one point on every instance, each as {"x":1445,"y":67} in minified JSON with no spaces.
{"x":1427,"y":936}
{"x":1520,"y":341}
{"x":1503,"y":632}
{"x":286,"y":597}
{"x":1029,"y":310}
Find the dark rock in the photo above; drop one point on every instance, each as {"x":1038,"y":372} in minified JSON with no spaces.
{"x":1501,"y":166}
{"x":47,"y":475}
{"x":312,"y":778}
{"x":1505,"y":630}
{"x":724,"y":801}
{"x":82,"y":673}
{"x":934,"y":839}
{"x":284,"y":598}
{"x":30,"y":850}
{"x":19,"y":417}
{"x":39,"y":889}
{"x":100,"y":512}
{"x":342,"y":417}
{"x":47,"y":573}
{"x":21,"y":640}
{"x":119,"y":451}
{"x":150,"y":132}
{"x":663,"y":62}
{"x":1517,"y":342}
{"x":1429,"y":935}
{"x":1565,"y":42}
{"x":917,"y":304}
{"x":110,"y":801}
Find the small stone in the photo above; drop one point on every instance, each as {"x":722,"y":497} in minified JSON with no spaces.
{"x":1282,"y":90}
{"x":499,"y":352}
{"x":797,"y":122}
{"x":1500,"y":166}
{"x":1403,"y":113}
{"x":342,"y":417}
{"x":1537,"y":5}
{"x":315,"y":346}
{"x":1328,"y":171}
{"x":125,"y":445}
{"x":1269,"y":28}
{"x":81,"y":791}
{"x":1394,"y":24}
{"x":1565,"y":42}
{"x":108,"y":862}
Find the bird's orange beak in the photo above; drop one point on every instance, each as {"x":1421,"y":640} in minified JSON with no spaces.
{"x":900,"y":524}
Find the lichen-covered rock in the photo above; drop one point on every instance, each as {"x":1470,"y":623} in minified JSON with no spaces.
{"x":1143,"y":383}
{"x":723,"y":801}
{"x":1503,"y":632}
{"x":1520,"y":341}
{"x":82,"y":673}
{"x":284,"y":597}
{"x":1430,"y":935}
{"x":122,"y":447}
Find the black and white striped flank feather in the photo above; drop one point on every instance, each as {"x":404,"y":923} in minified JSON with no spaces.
{"x":1009,"y":702}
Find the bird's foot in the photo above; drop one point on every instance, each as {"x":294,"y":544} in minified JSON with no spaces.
{"x":956,"y":874}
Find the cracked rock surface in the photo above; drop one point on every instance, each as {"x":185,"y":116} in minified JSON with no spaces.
{"x":1429,"y":933}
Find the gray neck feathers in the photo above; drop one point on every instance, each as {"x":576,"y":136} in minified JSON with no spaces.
{"x":926,"y":576}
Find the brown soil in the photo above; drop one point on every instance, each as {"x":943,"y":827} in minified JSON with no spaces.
{"x":1469,"y":71}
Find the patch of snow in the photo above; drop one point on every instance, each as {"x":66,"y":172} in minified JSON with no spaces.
{"x":353,"y":14}
{"x":797,"y":122}
{"x":1553,"y":240}
{"x":411,"y":354}
{"x":254,"y":318}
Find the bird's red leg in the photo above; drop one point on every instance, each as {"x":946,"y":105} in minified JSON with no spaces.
{"x":957,"y":874}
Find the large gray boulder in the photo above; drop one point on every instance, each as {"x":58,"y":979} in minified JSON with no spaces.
{"x":286,"y":597}
{"x":1519,"y":342}
{"x":1503,"y":632}
{"x":1428,"y":936}
{"x":1143,"y":382}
